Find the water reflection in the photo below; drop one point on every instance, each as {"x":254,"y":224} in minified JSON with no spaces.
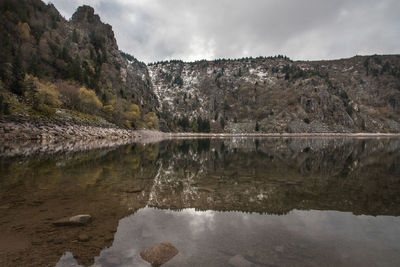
{"x":301,"y":238}
{"x":276,"y":176}
{"x":217,"y":200}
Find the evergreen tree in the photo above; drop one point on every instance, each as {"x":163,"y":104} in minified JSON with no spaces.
{"x":35,"y":65}
{"x":4,"y":106}
{"x":206,"y":126}
{"x":178,"y":81}
{"x":18,"y":76}
{"x":75,"y":71}
{"x":65,"y":55}
{"x":203,"y":125}
{"x":75,"y":37}
{"x":222,"y":122}
{"x":184,"y":123}
{"x":200,"y":124}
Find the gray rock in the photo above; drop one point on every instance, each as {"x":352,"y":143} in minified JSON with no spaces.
{"x":159,"y":253}
{"x":78,"y":220}
{"x":239,"y":261}
{"x":84,"y":219}
{"x":113,"y":261}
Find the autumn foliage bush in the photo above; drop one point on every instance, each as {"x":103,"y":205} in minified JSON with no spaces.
{"x":88,"y":101}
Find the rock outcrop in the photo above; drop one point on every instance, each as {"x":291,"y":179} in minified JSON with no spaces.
{"x":275,"y":94}
{"x":67,"y":55}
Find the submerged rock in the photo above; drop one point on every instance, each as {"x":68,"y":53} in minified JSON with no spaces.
{"x":78,"y":220}
{"x":159,"y":253}
{"x":83,"y":237}
{"x":279,"y":249}
{"x":113,"y":261}
{"x":239,"y":261}
{"x":206,"y":189}
{"x":84,"y":219}
{"x":134,"y":190}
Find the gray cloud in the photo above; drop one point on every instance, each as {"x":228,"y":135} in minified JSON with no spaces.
{"x":155,"y":30}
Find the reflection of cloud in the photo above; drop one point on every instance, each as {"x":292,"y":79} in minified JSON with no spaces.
{"x":321,"y":225}
{"x":199,"y":221}
{"x":203,"y":235}
{"x":67,"y":260}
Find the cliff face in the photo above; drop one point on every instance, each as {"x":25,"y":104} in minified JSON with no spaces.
{"x":121,"y":73}
{"x":360,"y":94}
{"x":38,"y":43}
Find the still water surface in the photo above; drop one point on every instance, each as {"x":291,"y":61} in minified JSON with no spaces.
{"x":220,"y":202}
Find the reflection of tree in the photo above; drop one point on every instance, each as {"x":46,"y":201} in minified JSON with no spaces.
{"x":271,"y":176}
{"x":263,"y":175}
{"x":55,"y":186}
{"x":278,"y":175}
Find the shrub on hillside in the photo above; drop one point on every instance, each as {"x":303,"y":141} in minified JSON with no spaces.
{"x":42,"y":95}
{"x":150,"y":121}
{"x":88,"y":101}
{"x":108,"y":111}
{"x":132,"y":116}
{"x":69,"y":93}
{"x":48,"y":95}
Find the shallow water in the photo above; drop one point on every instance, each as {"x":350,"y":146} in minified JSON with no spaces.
{"x":221,"y":202}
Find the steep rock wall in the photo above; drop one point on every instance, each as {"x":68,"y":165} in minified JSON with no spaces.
{"x":359,"y":94}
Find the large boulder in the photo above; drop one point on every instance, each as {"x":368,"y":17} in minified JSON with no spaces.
{"x":159,"y":254}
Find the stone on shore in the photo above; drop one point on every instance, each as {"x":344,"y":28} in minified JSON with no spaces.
{"x":159,"y":254}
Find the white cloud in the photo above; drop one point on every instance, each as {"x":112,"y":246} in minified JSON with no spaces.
{"x":155,"y":30}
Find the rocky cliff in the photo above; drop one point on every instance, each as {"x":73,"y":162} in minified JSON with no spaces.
{"x":46,"y":60}
{"x":51,"y":66}
{"x":275,"y":94}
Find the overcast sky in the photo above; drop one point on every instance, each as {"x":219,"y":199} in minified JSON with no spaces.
{"x":154,"y":30}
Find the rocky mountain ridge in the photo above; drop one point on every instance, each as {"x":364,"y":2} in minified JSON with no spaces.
{"x":276,"y":94}
{"x":50,"y":65}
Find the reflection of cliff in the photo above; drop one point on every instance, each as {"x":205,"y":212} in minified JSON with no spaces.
{"x":249,"y":175}
{"x":278,"y":175}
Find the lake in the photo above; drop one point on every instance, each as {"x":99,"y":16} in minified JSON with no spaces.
{"x":220,"y":202}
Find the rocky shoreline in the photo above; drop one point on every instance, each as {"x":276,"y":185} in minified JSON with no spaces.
{"x":27,"y":136}
{"x":55,"y":131}
{"x":47,"y":131}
